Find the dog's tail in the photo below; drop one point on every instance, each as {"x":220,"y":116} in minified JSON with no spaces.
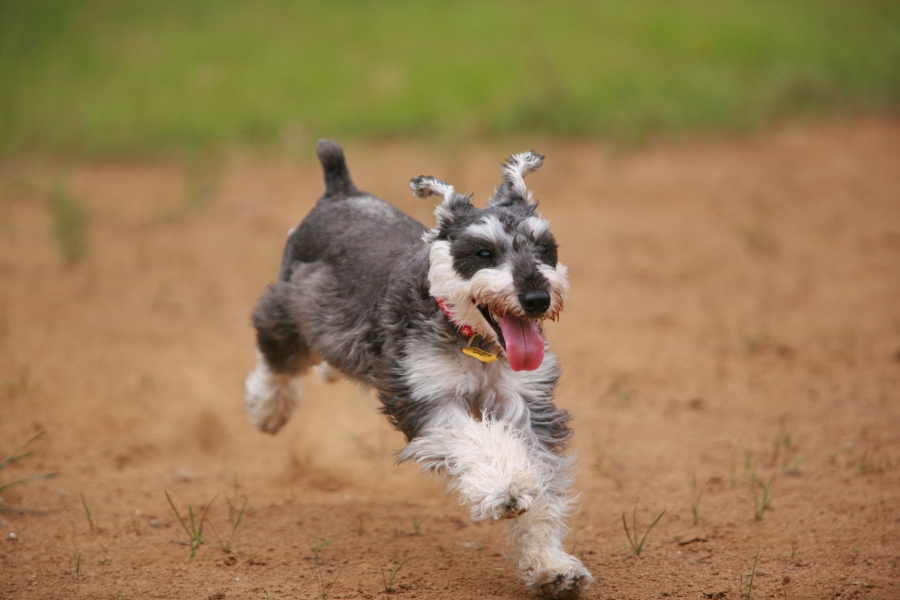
{"x":337,"y":177}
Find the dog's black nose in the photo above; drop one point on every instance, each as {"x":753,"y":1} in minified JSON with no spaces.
{"x":535,"y":302}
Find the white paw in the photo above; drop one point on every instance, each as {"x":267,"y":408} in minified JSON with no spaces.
{"x":562,"y":576}
{"x":270,"y":399}
{"x":506,"y":501}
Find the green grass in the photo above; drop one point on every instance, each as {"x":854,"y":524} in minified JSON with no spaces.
{"x":388,"y":577}
{"x":638,"y":547}
{"x":100,"y":77}
{"x":748,"y":595}
{"x":87,"y":511}
{"x":695,"y":497}
{"x":318,"y":546}
{"x":195,"y":531}
{"x":14,"y":457}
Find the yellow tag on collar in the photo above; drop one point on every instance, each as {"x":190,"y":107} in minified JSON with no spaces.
{"x":482,"y":355}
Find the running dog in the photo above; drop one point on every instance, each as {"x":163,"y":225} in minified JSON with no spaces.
{"x":446,"y":324}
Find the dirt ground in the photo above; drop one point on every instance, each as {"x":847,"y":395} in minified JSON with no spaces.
{"x":734,"y":320}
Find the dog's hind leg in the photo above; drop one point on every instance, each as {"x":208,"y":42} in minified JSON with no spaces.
{"x":272,"y":389}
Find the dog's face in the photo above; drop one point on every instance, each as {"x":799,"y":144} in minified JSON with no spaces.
{"x":496,"y":268}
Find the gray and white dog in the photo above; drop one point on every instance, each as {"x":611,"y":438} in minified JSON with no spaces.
{"x":445,"y":324}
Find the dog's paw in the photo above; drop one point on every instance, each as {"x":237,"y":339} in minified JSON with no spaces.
{"x":562,"y":577}
{"x":505,"y":502}
{"x":270,"y":399}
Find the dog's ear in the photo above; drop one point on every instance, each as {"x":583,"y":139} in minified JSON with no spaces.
{"x":424,"y":186}
{"x":513,"y":189}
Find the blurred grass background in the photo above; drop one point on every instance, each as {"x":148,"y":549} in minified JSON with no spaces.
{"x":142,"y":77}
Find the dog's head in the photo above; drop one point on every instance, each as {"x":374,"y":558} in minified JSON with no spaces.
{"x":495,"y":268}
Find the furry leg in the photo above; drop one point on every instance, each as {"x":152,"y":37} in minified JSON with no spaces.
{"x":487,"y":462}
{"x":271,"y":397}
{"x":543,"y":565}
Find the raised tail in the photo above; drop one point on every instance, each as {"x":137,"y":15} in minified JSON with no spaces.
{"x":337,"y":177}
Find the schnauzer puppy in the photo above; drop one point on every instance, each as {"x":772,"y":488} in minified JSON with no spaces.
{"x":445,"y":324}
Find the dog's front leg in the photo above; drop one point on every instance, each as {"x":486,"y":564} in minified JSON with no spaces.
{"x":488,"y":462}
{"x":543,"y":565}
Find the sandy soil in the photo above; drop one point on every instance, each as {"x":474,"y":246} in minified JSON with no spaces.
{"x":734,"y":319}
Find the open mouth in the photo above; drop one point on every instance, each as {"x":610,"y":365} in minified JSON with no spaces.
{"x":486,"y":313}
{"x":520,"y":338}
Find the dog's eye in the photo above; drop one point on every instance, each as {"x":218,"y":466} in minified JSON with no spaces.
{"x":485,"y":254}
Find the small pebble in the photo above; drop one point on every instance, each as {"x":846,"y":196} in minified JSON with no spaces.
{"x":13,"y":536}
{"x":154,"y":522}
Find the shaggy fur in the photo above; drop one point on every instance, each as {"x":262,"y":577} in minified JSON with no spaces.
{"x":358,"y":290}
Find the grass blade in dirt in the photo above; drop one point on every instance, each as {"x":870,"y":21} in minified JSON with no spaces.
{"x":761,"y":501}
{"x":76,"y":571}
{"x":318,"y":546}
{"x":195,"y":531}
{"x":226,"y":546}
{"x":695,"y":497}
{"x":389,"y":578}
{"x":87,"y":511}
{"x":747,"y":596}
{"x":13,"y":457}
{"x":141,"y":77}
{"x":632,"y":535}
{"x":325,"y":588}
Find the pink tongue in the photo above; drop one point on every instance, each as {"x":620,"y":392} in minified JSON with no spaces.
{"x":524,"y":344}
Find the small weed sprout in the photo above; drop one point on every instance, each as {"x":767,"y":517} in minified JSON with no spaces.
{"x":16,"y":457}
{"x":760,"y":502}
{"x":195,"y":532}
{"x":226,"y":546}
{"x":872,"y":461}
{"x":417,"y":525}
{"x":785,"y":436}
{"x":87,"y":511}
{"x":782,"y":440}
{"x":388,"y":578}
{"x":794,"y":547}
{"x":748,"y":461}
{"x":632,"y":537}
{"x":747,"y":596}
{"x":318,"y":547}
{"x":695,"y":496}
{"x":77,"y":570}
{"x":325,"y":589}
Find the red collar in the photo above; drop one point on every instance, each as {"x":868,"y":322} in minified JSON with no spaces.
{"x":466,"y":330}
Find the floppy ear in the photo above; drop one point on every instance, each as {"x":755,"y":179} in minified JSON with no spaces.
{"x":513,"y":189}
{"x":424,"y":186}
